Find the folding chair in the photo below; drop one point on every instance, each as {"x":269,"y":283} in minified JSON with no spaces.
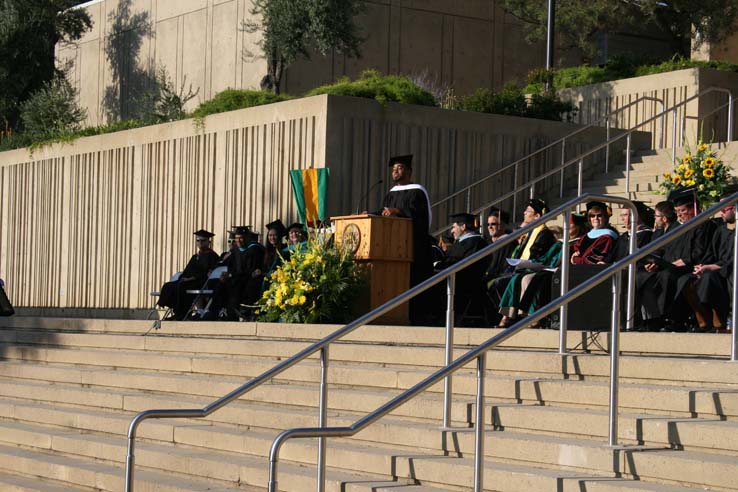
{"x":205,"y":293}
{"x":155,"y":294}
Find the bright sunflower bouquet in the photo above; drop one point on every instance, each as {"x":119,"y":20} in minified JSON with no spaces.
{"x":701,"y":169}
{"x":318,"y":284}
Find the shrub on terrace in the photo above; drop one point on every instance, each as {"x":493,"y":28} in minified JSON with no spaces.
{"x":233,"y":99}
{"x":373,"y":85}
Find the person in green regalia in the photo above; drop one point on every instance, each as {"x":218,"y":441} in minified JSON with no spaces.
{"x":528,"y":288}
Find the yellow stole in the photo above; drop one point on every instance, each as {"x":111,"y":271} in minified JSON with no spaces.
{"x":530,"y":241}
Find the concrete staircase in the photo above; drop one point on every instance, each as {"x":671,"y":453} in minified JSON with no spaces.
{"x":68,"y":389}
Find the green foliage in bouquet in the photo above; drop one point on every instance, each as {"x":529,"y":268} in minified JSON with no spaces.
{"x":318,"y":284}
{"x":702,"y":169}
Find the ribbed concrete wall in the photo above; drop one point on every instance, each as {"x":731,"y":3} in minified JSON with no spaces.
{"x":103,"y":221}
{"x":596,"y":100}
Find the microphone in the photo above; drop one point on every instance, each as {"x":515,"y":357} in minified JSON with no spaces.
{"x":366,"y":195}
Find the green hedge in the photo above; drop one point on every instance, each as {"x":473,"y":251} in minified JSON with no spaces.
{"x":233,"y":99}
{"x":383,"y":88}
{"x":615,"y":69}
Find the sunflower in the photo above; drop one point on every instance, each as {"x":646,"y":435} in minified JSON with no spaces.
{"x":709,"y":173}
{"x":676,"y":180}
{"x":687,"y":159}
{"x":667,"y":176}
{"x":709,"y":162}
{"x":703,"y":147}
{"x":688,"y":173}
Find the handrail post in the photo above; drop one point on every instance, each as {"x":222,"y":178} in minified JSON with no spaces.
{"x":563,"y":161}
{"x":564,"y":309}
{"x":614,"y":359}
{"x":607,"y":148}
{"x":515,"y":195}
{"x":130,"y":461}
{"x":627,"y":165}
{"x":479,"y":426}
{"x":468,"y":200}
{"x":630,"y":296}
{"x":662,"y":127}
{"x":580,"y":181}
{"x":448,"y":382}
{"x":323,"y":417}
{"x":673,"y":135}
{"x":730,"y":117}
{"x":734,"y":314}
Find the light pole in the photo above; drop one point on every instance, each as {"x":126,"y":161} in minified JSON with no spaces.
{"x":550,"y":38}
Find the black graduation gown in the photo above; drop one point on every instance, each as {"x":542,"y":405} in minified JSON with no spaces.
{"x":622,"y":244}
{"x":468,"y":280}
{"x":243,"y":287}
{"x":174,"y":294}
{"x":414,"y":205}
{"x":713,"y":287}
{"x":659,"y":290}
{"x":497,"y":264}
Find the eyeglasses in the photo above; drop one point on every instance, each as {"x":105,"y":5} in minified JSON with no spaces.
{"x":591,"y":216}
{"x":493,"y":224}
{"x":202,"y":240}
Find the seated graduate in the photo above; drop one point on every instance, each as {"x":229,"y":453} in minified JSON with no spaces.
{"x":498,"y":227}
{"x":713,"y":278}
{"x":593,"y":247}
{"x":244,"y":285}
{"x":6,"y":308}
{"x":529,"y":289}
{"x":665,"y":219}
{"x":440,"y":249}
{"x":661,"y":284}
{"x":467,"y":242}
{"x":296,"y":238}
{"x":644,"y":230}
{"x":174,"y":294}
{"x":532,"y":245}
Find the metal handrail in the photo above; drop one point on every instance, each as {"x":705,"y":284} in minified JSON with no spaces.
{"x":627,"y":134}
{"x":551,"y":145}
{"x":322,"y":345}
{"x":479,"y":353}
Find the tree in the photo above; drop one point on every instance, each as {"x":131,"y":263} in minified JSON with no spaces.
{"x":291,"y":28}
{"x":577,"y":21}
{"x":52,"y":110}
{"x":29,"y":32}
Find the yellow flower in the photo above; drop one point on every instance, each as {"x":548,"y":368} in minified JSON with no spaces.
{"x":667,"y":176}
{"x":295,"y":300}
{"x":688,"y":173}
{"x":709,"y":162}
{"x":690,"y":182}
{"x":676,"y":180}
{"x":709,"y":173}
{"x":687,"y":159}
{"x":302,"y":300}
{"x":703,"y":147}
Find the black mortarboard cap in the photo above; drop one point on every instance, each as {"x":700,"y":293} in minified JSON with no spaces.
{"x":646,"y":213}
{"x":729,"y":190}
{"x":246,"y":232}
{"x":405,"y":160}
{"x":538,"y":205}
{"x":578,"y":219}
{"x":462,"y":218}
{"x":683,"y":196}
{"x":500,"y":214}
{"x":278,"y":226}
{"x":203,"y":233}
{"x":296,"y":225}
{"x":601,"y":205}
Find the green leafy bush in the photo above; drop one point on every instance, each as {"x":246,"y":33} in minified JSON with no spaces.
{"x":52,"y":110}
{"x":373,"y":85}
{"x":512,"y":101}
{"x":233,"y":99}
{"x":615,"y":69}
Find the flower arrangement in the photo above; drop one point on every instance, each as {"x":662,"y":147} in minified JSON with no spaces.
{"x":701,"y":169}
{"x":317,"y":284}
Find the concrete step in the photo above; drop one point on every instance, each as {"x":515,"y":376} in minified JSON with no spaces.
{"x":508,"y":363}
{"x":99,"y":475}
{"x":18,"y":483}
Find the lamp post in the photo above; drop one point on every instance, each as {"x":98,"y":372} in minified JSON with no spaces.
{"x":550,"y":37}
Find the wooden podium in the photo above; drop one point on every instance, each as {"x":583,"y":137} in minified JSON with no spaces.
{"x":385,"y":246}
